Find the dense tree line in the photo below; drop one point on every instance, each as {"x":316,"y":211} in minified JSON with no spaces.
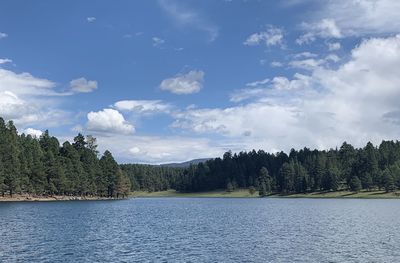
{"x":301,"y":171}
{"x":152,"y":178}
{"x":41,"y":166}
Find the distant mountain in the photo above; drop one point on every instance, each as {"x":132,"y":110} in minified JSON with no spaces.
{"x":186,"y":164}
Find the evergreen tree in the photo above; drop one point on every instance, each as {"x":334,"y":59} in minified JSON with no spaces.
{"x":355,"y":184}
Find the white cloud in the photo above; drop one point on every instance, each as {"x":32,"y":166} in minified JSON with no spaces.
{"x":325,"y":28}
{"x":5,"y":60}
{"x":356,"y":102}
{"x":247,"y":93}
{"x":272,"y":36}
{"x":309,"y":61}
{"x":305,"y":55}
{"x":278,"y":85}
{"x":257,"y":83}
{"x":363,"y":17}
{"x":332,"y":57}
{"x":30,"y":111}
{"x":82,"y":85}
{"x":3,"y":35}
{"x":143,"y":106}
{"x":185,"y":17}
{"x":156,"y":150}
{"x":33,"y":132}
{"x":158,"y":42}
{"x":307,"y":64}
{"x":29,"y":100}
{"x":191,"y":82}
{"x":91,"y":19}
{"x":276,"y":64}
{"x":334,"y":46}
{"x":108,"y":121}
{"x":25,"y":84}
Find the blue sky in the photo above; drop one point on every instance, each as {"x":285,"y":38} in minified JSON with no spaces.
{"x":165,"y":81}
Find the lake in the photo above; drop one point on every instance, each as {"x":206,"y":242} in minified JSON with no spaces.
{"x":201,"y":230}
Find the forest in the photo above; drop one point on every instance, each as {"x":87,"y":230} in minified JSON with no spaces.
{"x":303,"y":171}
{"x":41,"y":166}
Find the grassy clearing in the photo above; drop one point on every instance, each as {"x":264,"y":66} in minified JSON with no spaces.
{"x":345,"y":194}
{"x":244,"y":193}
{"x":218,"y":193}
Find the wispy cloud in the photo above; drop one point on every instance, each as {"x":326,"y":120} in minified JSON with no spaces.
{"x":187,"y":17}
{"x":157,"y":42}
{"x":3,"y":35}
{"x":91,"y":19}
{"x":143,"y":106}
{"x":326,"y":28}
{"x":272,"y":36}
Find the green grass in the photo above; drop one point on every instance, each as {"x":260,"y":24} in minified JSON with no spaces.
{"x":345,"y":194}
{"x":244,"y":193}
{"x":218,"y":193}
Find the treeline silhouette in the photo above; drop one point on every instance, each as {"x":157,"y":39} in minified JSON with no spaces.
{"x":41,"y":166}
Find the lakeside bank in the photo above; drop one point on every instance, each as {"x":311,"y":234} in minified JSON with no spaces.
{"x":245,"y":193}
{"x":31,"y":198}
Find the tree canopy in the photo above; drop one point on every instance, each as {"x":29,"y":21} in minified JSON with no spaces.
{"x":42,"y":166}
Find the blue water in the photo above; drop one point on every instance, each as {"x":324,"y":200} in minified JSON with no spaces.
{"x":201,"y":230}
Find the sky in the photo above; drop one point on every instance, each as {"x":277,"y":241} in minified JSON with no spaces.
{"x":163,"y":81}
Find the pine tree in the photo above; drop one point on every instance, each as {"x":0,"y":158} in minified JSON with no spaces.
{"x":110,"y":170}
{"x":355,"y":184}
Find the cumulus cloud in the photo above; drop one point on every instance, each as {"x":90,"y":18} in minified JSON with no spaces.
{"x":343,"y":18}
{"x":3,"y":35}
{"x":143,"y":106}
{"x":108,"y":121}
{"x":29,"y":100}
{"x":272,"y":36}
{"x":363,"y":17}
{"x":82,"y":85}
{"x":157,"y":150}
{"x":356,"y":102}
{"x":191,"y":82}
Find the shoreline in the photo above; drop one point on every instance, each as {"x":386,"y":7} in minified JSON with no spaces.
{"x":239,"y":193}
{"x":54,"y":198}
{"x":244,"y":193}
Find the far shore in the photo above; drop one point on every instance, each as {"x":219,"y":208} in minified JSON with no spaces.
{"x":244,"y":193}
{"x":238,"y":193}
{"x":32,"y":198}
